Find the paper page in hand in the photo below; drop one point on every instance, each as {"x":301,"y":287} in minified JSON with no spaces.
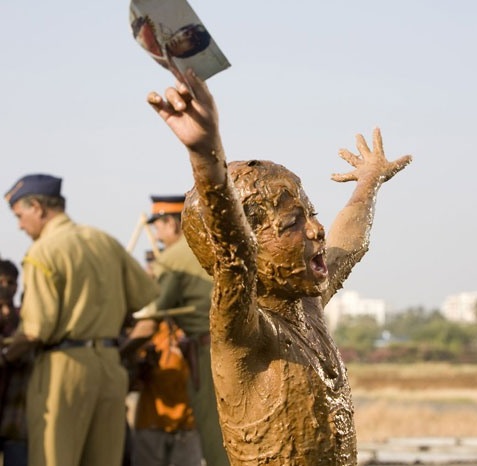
{"x":174,"y":36}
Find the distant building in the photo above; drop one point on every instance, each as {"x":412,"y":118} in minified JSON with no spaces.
{"x":350,"y":304}
{"x":461,"y":307}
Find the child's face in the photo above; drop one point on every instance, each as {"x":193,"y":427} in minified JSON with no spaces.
{"x":291,"y":245}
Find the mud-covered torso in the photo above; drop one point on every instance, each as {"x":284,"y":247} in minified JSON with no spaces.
{"x":294,"y":406}
{"x":282,"y":391}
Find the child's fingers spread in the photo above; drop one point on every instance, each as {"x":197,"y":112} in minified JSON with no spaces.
{"x":175,"y":99}
{"x":403,"y":161}
{"x":349,"y":157}
{"x":154,"y":98}
{"x":161,"y":106}
{"x":362,"y":145}
{"x":343,"y":177}
{"x":377,"y":141}
{"x":156,"y":101}
{"x":184,"y":92}
{"x":199,"y":87}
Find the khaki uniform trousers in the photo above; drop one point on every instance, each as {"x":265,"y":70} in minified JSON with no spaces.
{"x":76,"y":408}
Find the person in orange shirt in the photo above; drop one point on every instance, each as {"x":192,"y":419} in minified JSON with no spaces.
{"x":164,"y":428}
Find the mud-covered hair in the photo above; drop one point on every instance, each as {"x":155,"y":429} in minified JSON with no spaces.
{"x":255,"y":182}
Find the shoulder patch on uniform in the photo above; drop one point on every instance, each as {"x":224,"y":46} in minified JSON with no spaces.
{"x":38,"y":265}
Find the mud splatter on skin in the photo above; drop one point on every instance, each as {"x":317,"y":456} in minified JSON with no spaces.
{"x":282,"y":387}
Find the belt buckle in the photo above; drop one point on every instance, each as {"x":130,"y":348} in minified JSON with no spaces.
{"x":91,"y":343}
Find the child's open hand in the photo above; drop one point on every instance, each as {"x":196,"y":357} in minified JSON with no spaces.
{"x":373,"y":163}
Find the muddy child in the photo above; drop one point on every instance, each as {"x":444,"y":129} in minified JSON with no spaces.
{"x":282,"y":390}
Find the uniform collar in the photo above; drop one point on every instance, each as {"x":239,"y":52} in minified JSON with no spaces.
{"x":56,"y":222}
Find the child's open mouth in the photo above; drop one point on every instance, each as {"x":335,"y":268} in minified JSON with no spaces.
{"x":319,"y":267}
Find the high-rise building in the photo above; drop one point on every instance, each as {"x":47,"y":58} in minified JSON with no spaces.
{"x":349,"y":303}
{"x":461,"y":307}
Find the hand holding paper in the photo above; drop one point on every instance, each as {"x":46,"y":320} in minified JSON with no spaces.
{"x":174,"y":36}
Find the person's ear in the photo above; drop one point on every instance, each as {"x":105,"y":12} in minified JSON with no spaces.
{"x":39,"y":207}
{"x":177,"y":225}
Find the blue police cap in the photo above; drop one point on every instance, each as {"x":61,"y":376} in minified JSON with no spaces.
{"x":163,"y":205}
{"x":46,"y":185}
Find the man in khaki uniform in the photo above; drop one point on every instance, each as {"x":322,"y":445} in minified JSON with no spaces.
{"x":79,"y":285}
{"x":183,"y":282}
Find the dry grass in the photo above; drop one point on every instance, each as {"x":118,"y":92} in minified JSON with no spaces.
{"x":417,"y":400}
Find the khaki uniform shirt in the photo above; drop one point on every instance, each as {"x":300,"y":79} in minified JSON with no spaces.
{"x":183,"y":282}
{"x":80,"y":283}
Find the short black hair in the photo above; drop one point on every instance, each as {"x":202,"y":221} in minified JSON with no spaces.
{"x":199,"y":36}
{"x":8,"y":268}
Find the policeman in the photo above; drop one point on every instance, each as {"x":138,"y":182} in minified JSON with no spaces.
{"x":79,"y":285}
{"x":183,"y":282}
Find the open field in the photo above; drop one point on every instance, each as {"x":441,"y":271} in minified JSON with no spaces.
{"x":416,"y":400}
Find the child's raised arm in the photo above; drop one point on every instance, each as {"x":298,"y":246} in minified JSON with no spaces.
{"x":195,"y":122}
{"x":228,"y":242}
{"x":348,"y":238}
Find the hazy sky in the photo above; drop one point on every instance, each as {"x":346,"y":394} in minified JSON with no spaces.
{"x":306,"y":76}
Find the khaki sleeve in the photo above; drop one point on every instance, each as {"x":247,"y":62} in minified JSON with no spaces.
{"x":40,"y":304}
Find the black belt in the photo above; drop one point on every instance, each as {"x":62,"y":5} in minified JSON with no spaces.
{"x":68,"y":343}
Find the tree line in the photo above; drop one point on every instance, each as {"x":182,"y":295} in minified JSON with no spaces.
{"x":411,"y":336}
